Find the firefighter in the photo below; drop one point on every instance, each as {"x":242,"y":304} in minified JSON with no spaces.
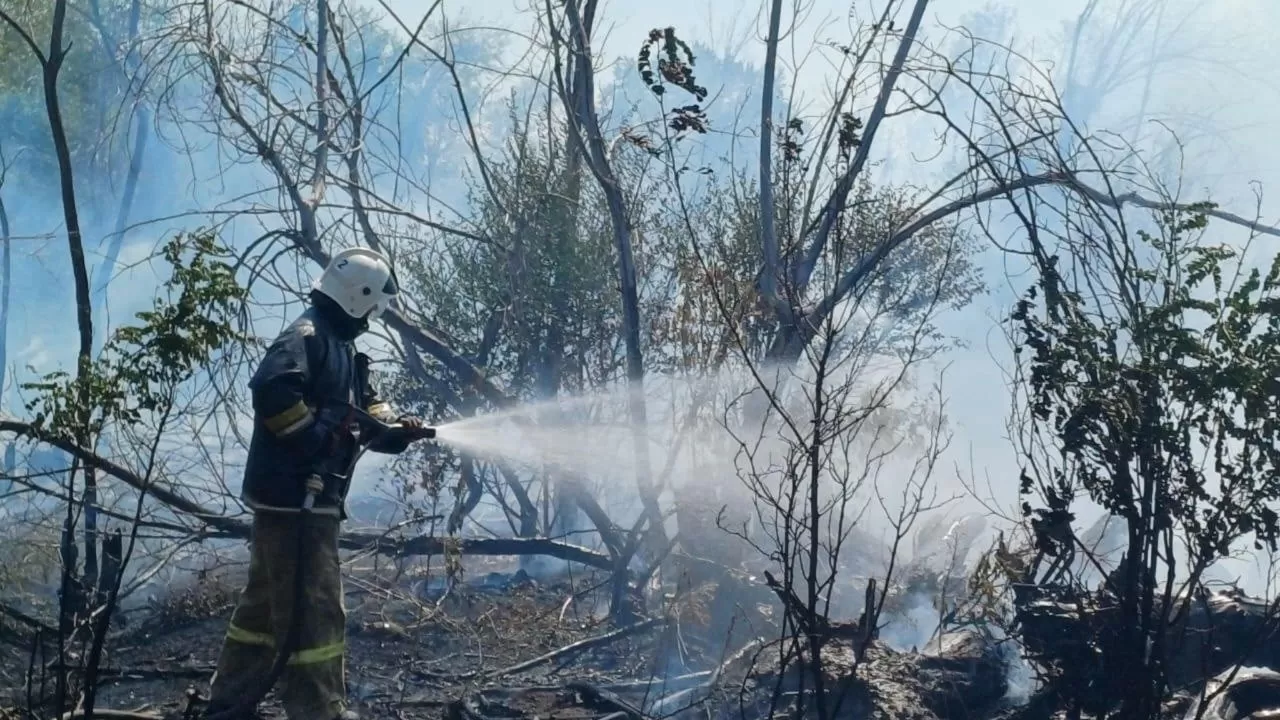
{"x":302,"y":393}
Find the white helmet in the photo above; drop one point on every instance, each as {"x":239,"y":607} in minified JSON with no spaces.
{"x":360,"y":281}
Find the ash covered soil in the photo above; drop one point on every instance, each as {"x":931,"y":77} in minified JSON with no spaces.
{"x":411,"y":648}
{"x":506,"y":644}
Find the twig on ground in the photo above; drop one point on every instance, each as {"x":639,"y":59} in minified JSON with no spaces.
{"x":26,"y":619}
{"x":597,"y":696}
{"x":682,"y":699}
{"x":580,"y":646}
{"x":112,"y":715}
{"x":141,"y":674}
{"x":566,"y":651}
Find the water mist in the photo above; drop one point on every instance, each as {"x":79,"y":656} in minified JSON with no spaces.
{"x":592,"y":435}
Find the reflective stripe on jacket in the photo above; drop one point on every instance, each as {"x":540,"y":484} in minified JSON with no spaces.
{"x":309,"y":369}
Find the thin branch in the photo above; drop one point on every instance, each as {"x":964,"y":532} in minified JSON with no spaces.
{"x":836,"y":204}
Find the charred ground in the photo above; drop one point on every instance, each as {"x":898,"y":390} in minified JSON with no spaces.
{"x":504,"y":644}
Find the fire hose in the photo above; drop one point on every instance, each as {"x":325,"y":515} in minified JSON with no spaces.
{"x":370,"y":430}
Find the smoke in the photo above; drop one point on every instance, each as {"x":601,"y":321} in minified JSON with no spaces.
{"x":187,"y":181}
{"x":914,"y":626}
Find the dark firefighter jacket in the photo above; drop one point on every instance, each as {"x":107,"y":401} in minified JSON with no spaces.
{"x":309,"y":377}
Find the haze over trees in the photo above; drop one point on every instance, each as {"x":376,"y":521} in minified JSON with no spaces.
{"x":690,"y":324}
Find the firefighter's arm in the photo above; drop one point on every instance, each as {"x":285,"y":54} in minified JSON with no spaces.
{"x":282,"y":400}
{"x":381,"y":410}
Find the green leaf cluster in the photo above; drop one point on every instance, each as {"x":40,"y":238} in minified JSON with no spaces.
{"x":194,"y":316}
{"x":1163,"y":400}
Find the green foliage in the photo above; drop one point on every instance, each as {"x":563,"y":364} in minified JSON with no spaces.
{"x":717,"y":298}
{"x":552,"y":283}
{"x":91,"y":90}
{"x":848,"y":138}
{"x":1165,"y":403}
{"x":142,"y":365}
{"x":936,"y":270}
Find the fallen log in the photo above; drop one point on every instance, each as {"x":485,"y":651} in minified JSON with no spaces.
{"x":108,"y":714}
{"x":136,"y":674}
{"x":230,"y":527}
{"x":965,"y":670}
{"x":27,"y":620}
{"x":580,"y":700}
{"x":432,"y":545}
{"x":90,"y":458}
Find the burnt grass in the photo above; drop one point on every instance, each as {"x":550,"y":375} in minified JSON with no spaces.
{"x":412,"y":648}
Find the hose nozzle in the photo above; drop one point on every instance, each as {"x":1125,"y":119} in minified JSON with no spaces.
{"x":414,"y":434}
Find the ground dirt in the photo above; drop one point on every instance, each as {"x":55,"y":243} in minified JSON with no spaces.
{"x":412,"y":649}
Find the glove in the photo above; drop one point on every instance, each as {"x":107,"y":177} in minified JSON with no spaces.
{"x":415,"y":428}
{"x":405,"y":430}
{"x":314,"y":486}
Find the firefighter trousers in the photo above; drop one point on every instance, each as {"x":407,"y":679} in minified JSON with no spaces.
{"x":314,"y":684}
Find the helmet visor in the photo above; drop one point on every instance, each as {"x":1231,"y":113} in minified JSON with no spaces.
{"x":392,"y":287}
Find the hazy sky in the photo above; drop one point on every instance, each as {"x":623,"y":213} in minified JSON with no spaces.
{"x":1217,"y":91}
{"x":1217,"y":88}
